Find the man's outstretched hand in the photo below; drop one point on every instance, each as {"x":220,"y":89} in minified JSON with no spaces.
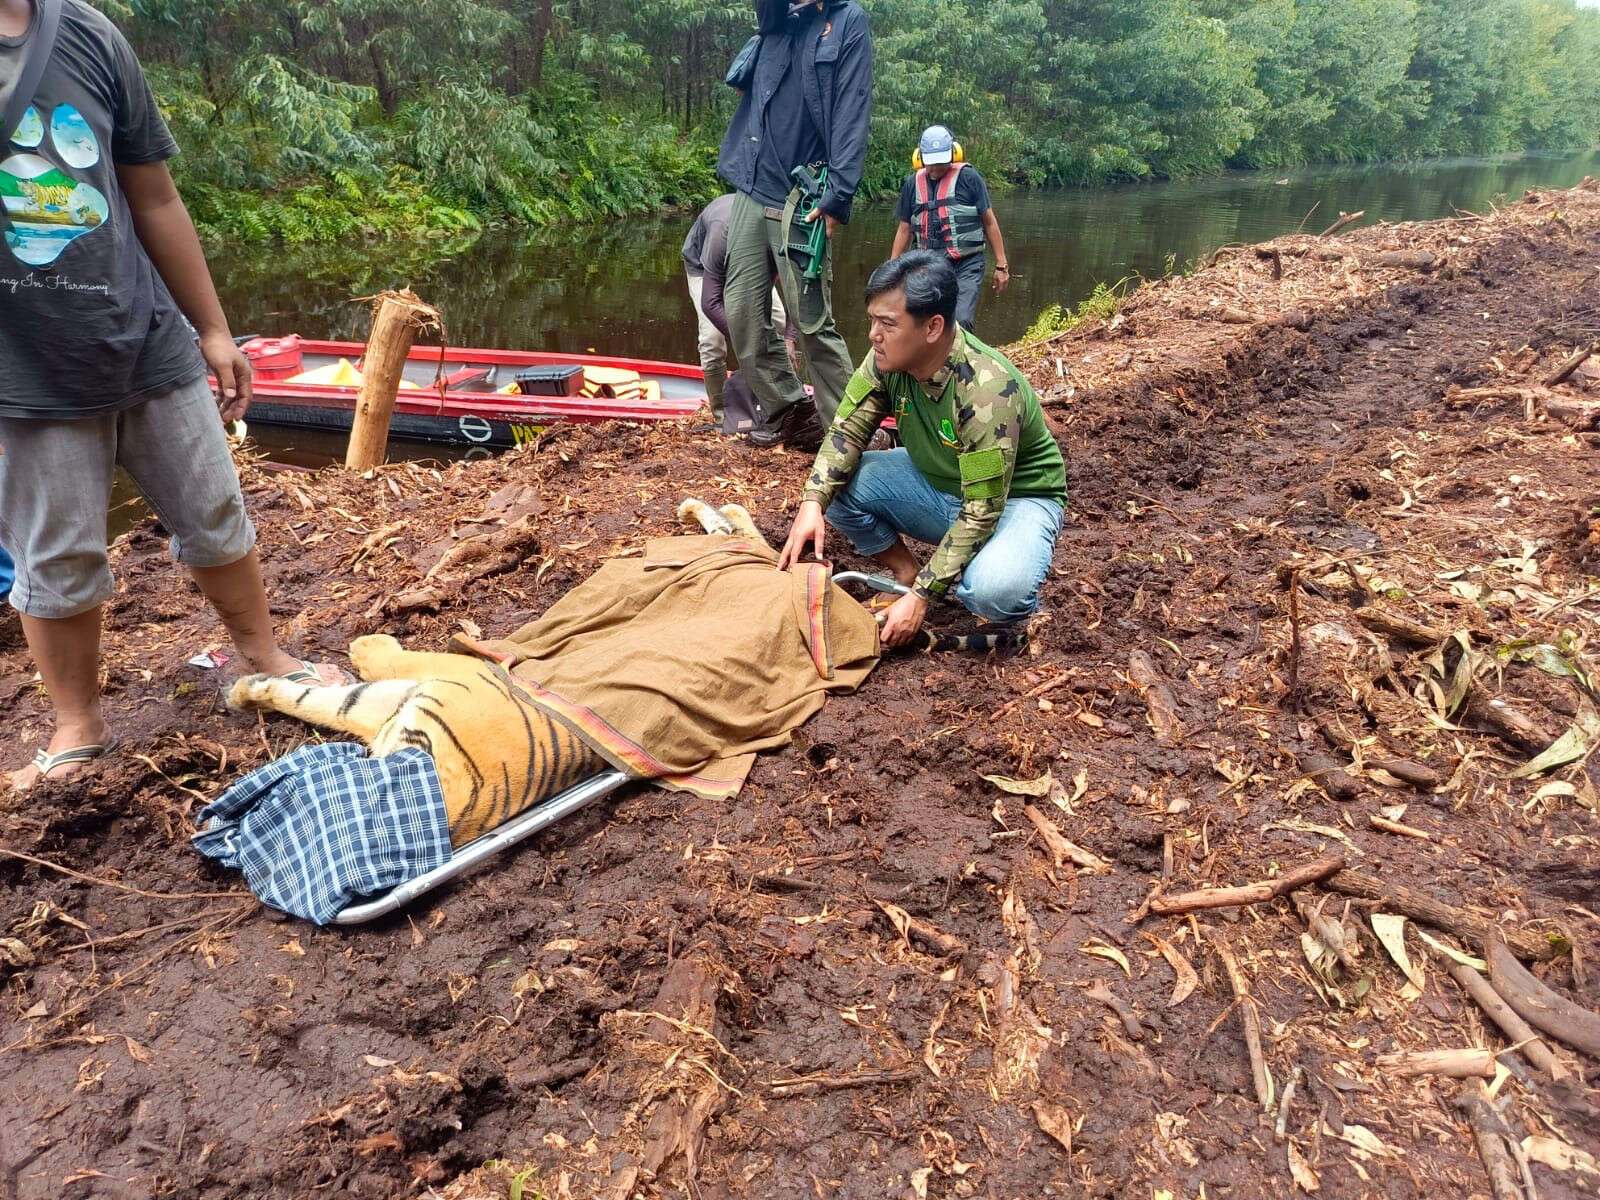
{"x":808,"y":529}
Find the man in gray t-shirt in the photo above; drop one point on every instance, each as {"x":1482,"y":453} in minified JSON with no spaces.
{"x":99,"y":263}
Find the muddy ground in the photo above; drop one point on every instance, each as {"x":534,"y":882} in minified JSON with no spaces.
{"x":1328,"y":529}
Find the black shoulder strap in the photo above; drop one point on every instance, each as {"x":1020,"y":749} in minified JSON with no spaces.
{"x":43,"y":42}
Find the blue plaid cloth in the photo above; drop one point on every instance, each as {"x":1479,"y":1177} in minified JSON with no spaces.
{"x":325,"y":825}
{"x":7,"y":573}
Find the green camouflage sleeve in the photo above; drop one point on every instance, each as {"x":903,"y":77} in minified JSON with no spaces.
{"x":861,"y":411}
{"x":989,"y":411}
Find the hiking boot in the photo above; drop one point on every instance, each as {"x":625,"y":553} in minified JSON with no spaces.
{"x":802,"y":427}
{"x":768,"y":431}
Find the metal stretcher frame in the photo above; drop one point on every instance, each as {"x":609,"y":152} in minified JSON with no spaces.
{"x":502,"y":837}
{"x":525,"y":825}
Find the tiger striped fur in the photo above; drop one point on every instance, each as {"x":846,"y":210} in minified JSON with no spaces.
{"x":495,"y":749}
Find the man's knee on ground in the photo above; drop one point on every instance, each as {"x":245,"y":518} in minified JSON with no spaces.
{"x":1005,"y":595}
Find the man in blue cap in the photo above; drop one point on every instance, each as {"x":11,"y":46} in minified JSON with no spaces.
{"x":944,"y":206}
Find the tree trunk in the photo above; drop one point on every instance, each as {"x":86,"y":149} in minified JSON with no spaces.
{"x":394,"y":323}
{"x":380,"y":81}
{"x":539,"y":30}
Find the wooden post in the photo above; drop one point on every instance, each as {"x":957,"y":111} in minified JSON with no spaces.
{"x":395,"y":319}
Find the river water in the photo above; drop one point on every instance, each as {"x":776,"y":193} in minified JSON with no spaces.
{"x":618,"y":288}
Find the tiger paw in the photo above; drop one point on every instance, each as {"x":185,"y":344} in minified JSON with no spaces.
{"x":47,"y":208}
{"x":368,"y":653}
{"x":249,"y":691}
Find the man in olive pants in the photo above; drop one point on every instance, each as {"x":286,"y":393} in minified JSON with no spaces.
{"x":808,"y":101}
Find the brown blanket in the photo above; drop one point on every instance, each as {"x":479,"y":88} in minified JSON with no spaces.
{"x":680,"y":665}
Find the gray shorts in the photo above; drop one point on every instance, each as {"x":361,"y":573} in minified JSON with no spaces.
{"x":55,"y":490}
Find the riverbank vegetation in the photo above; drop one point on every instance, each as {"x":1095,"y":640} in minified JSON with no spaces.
{"x":319,"y":120}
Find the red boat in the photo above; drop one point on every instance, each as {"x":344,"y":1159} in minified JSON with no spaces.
{"x":313,"y":385}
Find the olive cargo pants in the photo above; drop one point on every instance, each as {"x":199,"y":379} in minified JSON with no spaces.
{"x":755,"y":254}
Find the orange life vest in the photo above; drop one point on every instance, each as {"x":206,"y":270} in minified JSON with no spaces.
{"x":937,"y":218}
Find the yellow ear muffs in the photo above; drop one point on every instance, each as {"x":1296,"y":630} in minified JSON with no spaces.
{"x":916,"y":159}
{"x":956,"y":153}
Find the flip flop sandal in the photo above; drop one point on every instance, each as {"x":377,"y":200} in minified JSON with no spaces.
{"x":47,"y":762}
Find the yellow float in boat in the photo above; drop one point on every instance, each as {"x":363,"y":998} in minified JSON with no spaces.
{"x":340,"y":374}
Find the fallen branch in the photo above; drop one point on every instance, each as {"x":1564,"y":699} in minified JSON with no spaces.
{"x":554,"y":1075}
{"x":1328,"y":773}
{"x":1506,"y":721}
{"x":1032,"y":693}
{"x":1158,"y":699}
{"x":1061,"y":849}
{"x":1250,"y":893}
{"x":1416,"y":260}
{"x":46,"y":864}
{"x":1099,"y":991}
{"x":1580,"y":414}
{"x":771,"y":881}
{"x":1388,"y":826}
{"x":1380,"y":620}
{"x":469,"y":559}
{"x":1251,"y":1019}
{"x":1537,"y":1004}
{"x":1453,"y":1064}
{"x":1490,"y":1133}
{"x":1419,"y":906}
{"x":1423,"y":778}
{"x":1344,"y":219}
{"x":810,"y":1085}
{"x":931,"y":936}
{"x":1280,"y":1127}
{"x":1497,"y":1010}
{"x":1579,"y":357}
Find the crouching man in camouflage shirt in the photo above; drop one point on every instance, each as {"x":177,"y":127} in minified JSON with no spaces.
{"x":977,"y":473}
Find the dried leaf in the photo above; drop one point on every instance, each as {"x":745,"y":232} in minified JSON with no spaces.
{"x":372,"y":1060}
{"x":389,"y":1140}
{"x":1449,"y":951}
{"x":1574,"y":744}
{"x":1187,"y":979}
{"x":292,"y":946}
{"x":1054,"y":1120}
{"x":1295,"y":825}
{"x":1391,"y":931}
{"x":1559,"y":1156}
{"x":1365,"y":1142}
{"x":137,"y":1052}
{"x":564,"y":944}
{"x":919,"y":1182}
{"x":899,"y":918}
{"x":1023,"y":787}
{"x":1111,"y":952}
{"x":1304,"y":1177}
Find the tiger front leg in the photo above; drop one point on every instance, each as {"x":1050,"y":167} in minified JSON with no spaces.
{"x":361,"y":709}
{"x":379,"y":656}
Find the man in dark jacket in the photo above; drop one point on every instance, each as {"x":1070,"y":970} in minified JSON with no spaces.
{"x":807,"y":101}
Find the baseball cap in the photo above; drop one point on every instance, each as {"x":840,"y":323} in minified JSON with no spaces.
{"x":936,"y":146}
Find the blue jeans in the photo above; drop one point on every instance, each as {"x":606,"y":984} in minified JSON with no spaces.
{"x":889,"y":497}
